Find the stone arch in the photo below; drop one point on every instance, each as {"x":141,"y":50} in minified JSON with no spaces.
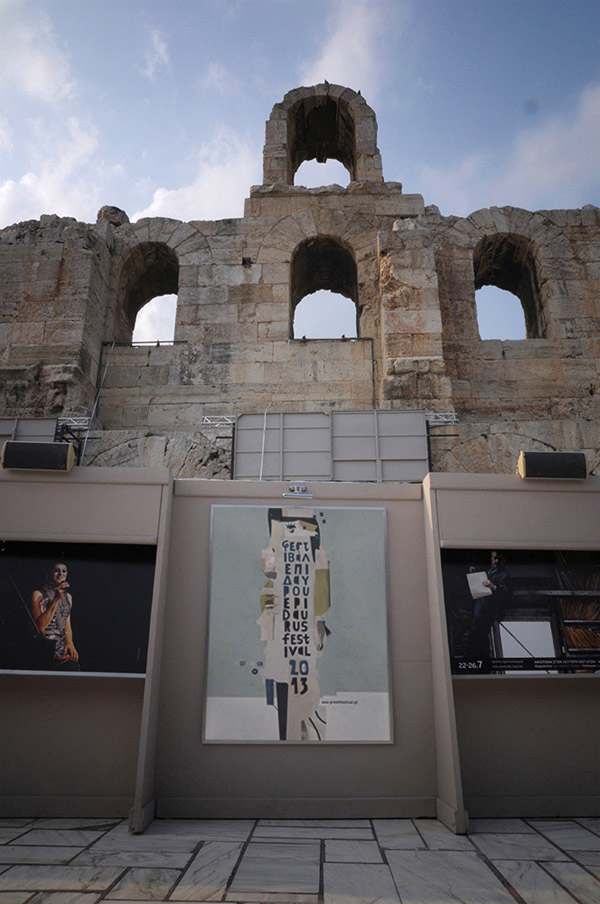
{"x":147,"y":270}
{"x":508,"y":261}
{"x":323,"y":262}
{"x":321,"y":122}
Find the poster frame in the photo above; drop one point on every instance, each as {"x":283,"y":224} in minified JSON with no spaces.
{"x":90,"y":541}
{"x":265,"y":505}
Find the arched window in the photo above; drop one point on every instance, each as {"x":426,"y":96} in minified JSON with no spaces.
{"x":320,"y":128}
{"x":321,"y":266}
{"x":151,"y":272}
{"x":311,"y":174}
{"x":507,"y":263}
{"x":155,"y":321}
{"x":499,"y":314}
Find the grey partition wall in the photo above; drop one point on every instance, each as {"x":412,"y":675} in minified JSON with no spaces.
{"x":524,"y":744}
{"x":95,"y":726}
{"x":379,"y":446}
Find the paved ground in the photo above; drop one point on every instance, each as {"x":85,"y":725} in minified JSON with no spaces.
{"x":301,"y":861}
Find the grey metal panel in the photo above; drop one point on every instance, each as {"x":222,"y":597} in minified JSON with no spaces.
{"x":30,"y":429}
{"x":355,"y":470}
{"x":405,"y":423}
{"x":339,"y":445}
{"x":306,"y":464}
{"x":393,"y":471}
{"x":403,"y":447}
{"x":354,"y":448}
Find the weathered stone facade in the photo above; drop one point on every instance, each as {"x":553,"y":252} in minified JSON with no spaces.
{"x":69,"y":290}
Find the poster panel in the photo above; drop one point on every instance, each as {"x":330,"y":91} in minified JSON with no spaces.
{"x":77,"y":608}
{"x":298,"y":640}
{"x":534,"y":611}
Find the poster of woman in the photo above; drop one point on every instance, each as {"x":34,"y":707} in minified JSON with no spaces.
{"x":75,"y":607}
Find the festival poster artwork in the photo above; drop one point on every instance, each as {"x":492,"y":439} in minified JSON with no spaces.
{"x":527,"y":611}
{"x":75,"y":608}
{"x":297,"y":641}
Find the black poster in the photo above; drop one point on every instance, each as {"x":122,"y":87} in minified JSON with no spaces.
{"x":522,"y":610}
{"x":75,"y":607}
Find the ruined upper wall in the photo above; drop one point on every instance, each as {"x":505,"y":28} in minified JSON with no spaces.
{"x":70,"y":292}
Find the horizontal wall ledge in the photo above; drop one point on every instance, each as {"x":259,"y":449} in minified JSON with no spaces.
{"x":320,"y":490}
{"x":295,"y":807}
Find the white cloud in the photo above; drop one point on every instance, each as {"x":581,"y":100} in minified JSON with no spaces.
{"x":560,"y":159}
{"x":218,"y":79}
{"x":554,"y":165}
{"x":227,"y":167}
{"x":156,"y":54}
{"x":353,"y":52}
{"x":60,"y":183}
{"x":452,"y":189}
{"x":5,"y":135}
{"x":32,"y":61}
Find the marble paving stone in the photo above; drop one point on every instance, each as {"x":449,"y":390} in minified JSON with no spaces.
{"x":358,"y":883}
{"x":63,"y":897}
{"x":590,"y":859}
{"x":15,"y":897}
{"x":352,"y":852}
{"x":439,"y":838}
{"x":120,"y":839}
{"x":319,"y":823}
{"x":590,"y":822}
{"x":78,"y":822}
{"x":316,"y":832}
{"x":207,"y":875}
{"x":577,"y":880}
{"x":517,"y":847}
{"x":533,"y":884}
{"x":300,"y":850}
{"x":202,"y":829}
{"x":567,"y":834}
{"x":174,"y":859}
{"x":477,"y":826}
{"x":58,"y":878}
{"x":290,"y":869}
{"x":16,"y":853}
{"x":65,"y":837}
{"x":143,"y":884}
{"x":10,"y":821}
{"x":274,"y":898}
{"x":433,"y":877}
{"x":7,"y":835}
{"x":397,"y":834}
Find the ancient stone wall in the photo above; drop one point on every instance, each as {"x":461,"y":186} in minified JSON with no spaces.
{"x":70,"y":292}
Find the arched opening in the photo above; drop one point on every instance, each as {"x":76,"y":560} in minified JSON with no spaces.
{"x":322,"y":266}
{"x":499,"y":314}
{"x":507,"y":263}
{"x":321,"y":128}
{"x":155,"y":321}
{"x":325,"y":315}
{"x":150,"y":272}
{"x":311,"y":174}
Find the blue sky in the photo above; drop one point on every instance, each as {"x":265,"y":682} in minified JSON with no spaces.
{"x":158,"y":107}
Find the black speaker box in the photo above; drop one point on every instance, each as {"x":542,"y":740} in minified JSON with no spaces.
{"x":560,"y":465}
{"x":38,"y":456}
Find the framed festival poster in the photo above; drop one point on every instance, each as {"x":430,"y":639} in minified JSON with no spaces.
{"x":298,"y":626}
{"x":513,"y":611}
{"x":75,"y":608}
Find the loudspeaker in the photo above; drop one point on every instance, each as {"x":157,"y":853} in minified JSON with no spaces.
{"x":38,"y":456}
{"x":560,"y":465}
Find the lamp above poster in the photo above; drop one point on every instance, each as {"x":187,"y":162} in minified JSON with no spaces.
{"x":526,"y":611}
{"x":78,"y":608}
